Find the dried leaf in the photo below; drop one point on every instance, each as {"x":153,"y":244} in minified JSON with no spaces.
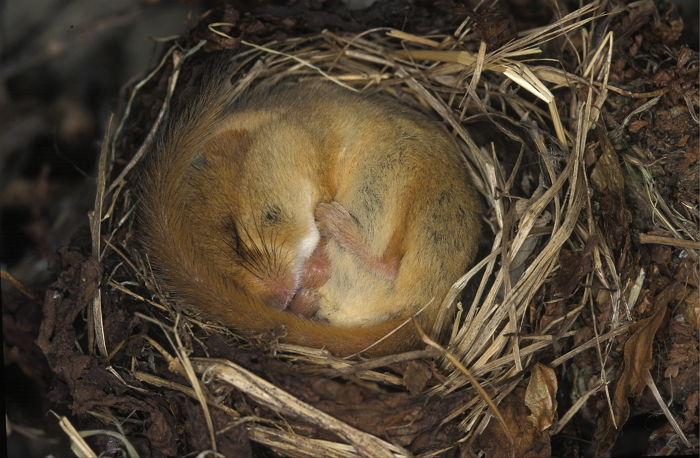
{"x":691,"y":309}
{"x":637,"y":125}
{"x":416,"y":376}
{"x":541,"y":396}
{"x":638,"y":359}
{"x":607,"y":176}
{"x":529,"y":440}
{"x":574,"y":266}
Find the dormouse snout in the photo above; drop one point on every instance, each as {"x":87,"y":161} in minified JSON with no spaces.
{"x":281,"y":290}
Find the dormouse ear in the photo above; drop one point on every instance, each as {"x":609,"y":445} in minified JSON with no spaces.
{"x":223,"y":146}
{"x":232,"y":136}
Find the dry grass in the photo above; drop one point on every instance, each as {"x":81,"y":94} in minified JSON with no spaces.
{"x":458,"y":81}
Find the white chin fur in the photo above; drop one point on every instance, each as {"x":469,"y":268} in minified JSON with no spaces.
{"x":308,"y":244}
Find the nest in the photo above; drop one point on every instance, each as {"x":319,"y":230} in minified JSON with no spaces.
{"x":525,"y":125}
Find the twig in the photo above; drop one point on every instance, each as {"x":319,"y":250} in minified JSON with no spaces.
{"x":664,"y":408}
{"x":278,"y":399}
{"x":5,"y":275}
{"x":79,"y":446}
{"x":670,"y":241}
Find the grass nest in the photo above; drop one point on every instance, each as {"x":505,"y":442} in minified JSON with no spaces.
{"x":535,"y":142}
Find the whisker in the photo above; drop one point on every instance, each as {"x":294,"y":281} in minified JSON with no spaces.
{"x":246,"y":256}
{"x":276,"y":252}
{"x":254,"y":252}
{"x":260,"y":250}
{"x":243,"y":261}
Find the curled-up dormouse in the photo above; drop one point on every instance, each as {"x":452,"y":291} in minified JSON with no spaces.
{"x":332,"y":215}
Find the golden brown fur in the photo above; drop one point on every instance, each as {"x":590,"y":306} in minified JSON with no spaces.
{"x":237,"y":195}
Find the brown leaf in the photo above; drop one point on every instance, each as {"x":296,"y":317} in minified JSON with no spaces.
{"x":638,"y":359}
{"x":682,"y":141}
{"x":691,"y":309}
{"x":690,"y":407}
{"x":573,"y":267}
{"x":416,"y":376}
{"x":541,"y":396}
{"x":636,"y":125}
{"x":681,"y":354}
{"x":607,"y":176}
{"x":529,"y":441}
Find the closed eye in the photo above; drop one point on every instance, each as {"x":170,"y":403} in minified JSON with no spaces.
{"x":272,"y":215}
